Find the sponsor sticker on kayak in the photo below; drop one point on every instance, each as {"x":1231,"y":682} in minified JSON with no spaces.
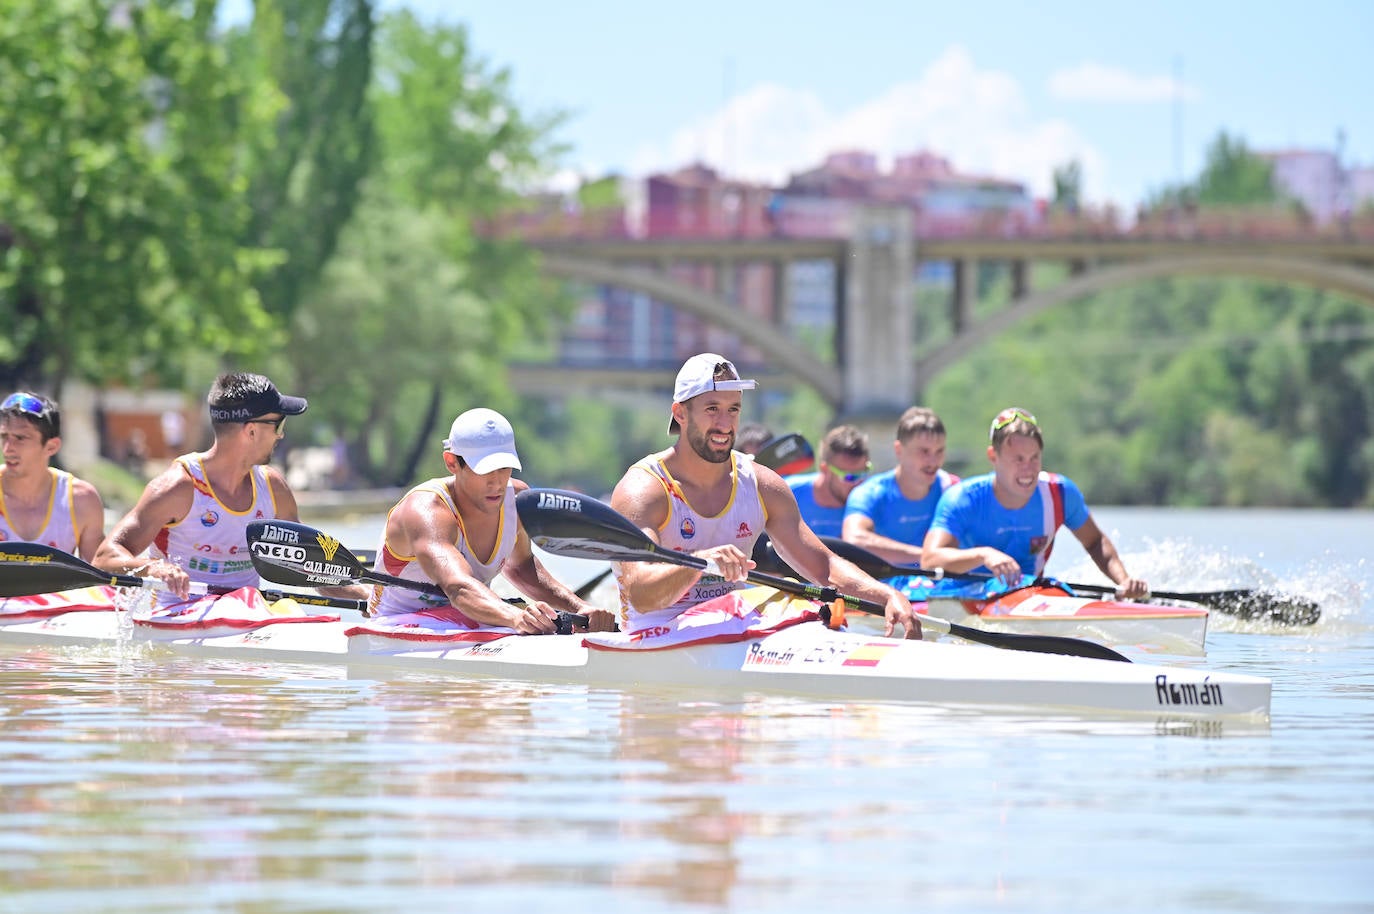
{"x":841,"y":653}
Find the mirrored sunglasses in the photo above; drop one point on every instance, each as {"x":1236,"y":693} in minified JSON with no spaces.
{"x":1008,"y":416}
{"x":27,"y":403}
{"x":859,"y":476}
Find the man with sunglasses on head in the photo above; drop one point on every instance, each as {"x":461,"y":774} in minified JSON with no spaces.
{"x":890,"y":512}
{"x":39,"y":503}
{"x":1004,"y":522}
{"x":192,"y":519}
{"x":821,"y":495}
{"x":703,"y":497}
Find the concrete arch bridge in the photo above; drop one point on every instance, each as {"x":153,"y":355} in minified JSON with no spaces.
{"x":873,"y":372}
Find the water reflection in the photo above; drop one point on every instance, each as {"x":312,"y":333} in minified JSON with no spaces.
{"x":143,"y":782}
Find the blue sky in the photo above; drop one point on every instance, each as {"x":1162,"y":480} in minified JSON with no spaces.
{"x":762,"y":89}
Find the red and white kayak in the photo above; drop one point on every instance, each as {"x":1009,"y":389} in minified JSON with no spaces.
{"x":802,"y":659}
{"x":1049,"y":611}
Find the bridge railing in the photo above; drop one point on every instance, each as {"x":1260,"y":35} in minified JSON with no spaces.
{"x":1099,"y":224}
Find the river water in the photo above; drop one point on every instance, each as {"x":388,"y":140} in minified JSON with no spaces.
{"x":134,"y":783}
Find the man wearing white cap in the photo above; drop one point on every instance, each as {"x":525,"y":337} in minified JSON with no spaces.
{"x":459,"y":531}
{"x":702,"y":497}
{"x":192,"y":518}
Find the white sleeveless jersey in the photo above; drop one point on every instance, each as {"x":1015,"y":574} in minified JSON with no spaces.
{"x":59,"y":528}
{"x":740,"y":522}
{"x":210,"y":542}
{"x":390,"y":601}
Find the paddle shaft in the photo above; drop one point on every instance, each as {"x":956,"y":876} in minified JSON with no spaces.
{"x":565,"y":624}
{"x":1036,"y":643}
{"x":291,"y":552}
{"x":577,"y":525}
{"x":1242,"y":602}
{"x":32,"y":568}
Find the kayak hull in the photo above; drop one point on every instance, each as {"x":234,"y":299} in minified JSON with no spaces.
{"x":1045,"y":611}
{"x":807,"y":660}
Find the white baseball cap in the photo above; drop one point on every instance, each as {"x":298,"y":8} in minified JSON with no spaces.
{"x":485,"y":441}
{"x":698,"y":376}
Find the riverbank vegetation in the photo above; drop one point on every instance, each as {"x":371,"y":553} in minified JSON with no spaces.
{"x":304,"y":193}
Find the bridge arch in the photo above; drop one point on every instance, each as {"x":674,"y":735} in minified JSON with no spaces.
{"x":779,"y":349}
{"x":1357,"y":283}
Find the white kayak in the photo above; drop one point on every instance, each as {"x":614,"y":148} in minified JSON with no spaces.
{"x":806,"y":659}
{"x":1049,"y":611}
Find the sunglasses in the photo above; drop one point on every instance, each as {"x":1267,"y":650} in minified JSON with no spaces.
{"x":276,"y":423}
{"x":1008,"y":416}
{"x":27,"y":403}
{"x":852,"y":477}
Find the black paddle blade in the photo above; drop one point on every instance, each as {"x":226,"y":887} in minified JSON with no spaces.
{"x":286,"y":552}
{"x":767,"y":560}
{"x":587,"y":589}
{"x":787,"y":454}
{"x":578,"y":526}
{"x":33,"y":568}
{"x":873,"y":565}
{"x":1258,"y":605}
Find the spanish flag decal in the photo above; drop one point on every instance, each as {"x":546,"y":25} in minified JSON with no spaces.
{"x":867,"y":654}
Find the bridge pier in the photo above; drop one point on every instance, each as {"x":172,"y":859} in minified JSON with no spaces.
{"x":961,"y":298}
{"x":876,"y":327}
{"x":1020,"y":279}
{"x":876,"y":333}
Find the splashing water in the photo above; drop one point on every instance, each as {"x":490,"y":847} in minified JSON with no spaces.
{"x":1179,"y":564}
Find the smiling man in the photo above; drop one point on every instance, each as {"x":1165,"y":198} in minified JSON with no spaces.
{"x":890,"y":513}
{"x":1004,"y":522}
{"x":702,"y":497}
{"x":39,"y":503}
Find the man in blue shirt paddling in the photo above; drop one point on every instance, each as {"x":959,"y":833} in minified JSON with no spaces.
{"x":889,"y":513}
{"x":1004,"y":522}
{"x":821,"y":495}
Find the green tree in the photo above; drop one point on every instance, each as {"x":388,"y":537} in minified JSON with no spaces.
{"x":312,"y":60}
{"x":120,"y":192}
{"x":396,"y":301}
{"x":1068,"y":187}
{"x":1233,"y":176}
{"x":434,"y":305}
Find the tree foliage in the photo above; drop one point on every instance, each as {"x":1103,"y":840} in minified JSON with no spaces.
{"x":424,"y":307}
{"x":1233,"y":176}
{"x":312,"y":63}
{"x":1068,"y":187}
{"x":392,"y":321}
{"x":121,"y":196}
{"x":1199,"y":391}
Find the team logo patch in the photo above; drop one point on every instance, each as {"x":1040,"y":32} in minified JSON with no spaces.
{"x":1038,"y":543}
{"x":743,"y":531}
{"x":688,"y":529}
{"x":209,"y":518}
{"x":329,"y":545}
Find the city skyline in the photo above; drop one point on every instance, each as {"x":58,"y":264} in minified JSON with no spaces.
{"x":760,"y":91}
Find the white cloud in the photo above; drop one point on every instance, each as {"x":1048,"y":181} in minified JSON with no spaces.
{"x":1095,"y":82}
{"x":977,"y":118}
